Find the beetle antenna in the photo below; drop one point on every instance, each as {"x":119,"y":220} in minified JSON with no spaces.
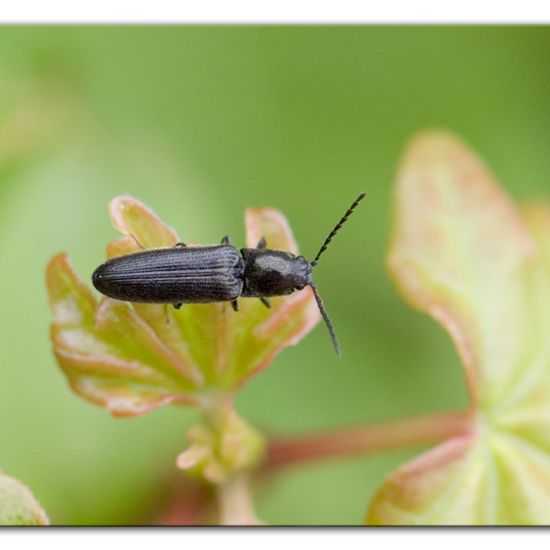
{"x":337,"y":228}
{"x":326,"y":318}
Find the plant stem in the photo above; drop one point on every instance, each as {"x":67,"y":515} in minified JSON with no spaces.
{"x":235,"y":502}
{"x":367,"y":439}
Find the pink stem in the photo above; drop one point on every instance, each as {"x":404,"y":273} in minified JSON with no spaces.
{"x":367,"y":439}
{"x":235,"y":502}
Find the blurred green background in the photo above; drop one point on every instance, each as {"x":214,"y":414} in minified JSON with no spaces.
{"x":200,"y":123}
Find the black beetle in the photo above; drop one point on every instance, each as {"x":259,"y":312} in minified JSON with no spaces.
{"x":207,"y":274}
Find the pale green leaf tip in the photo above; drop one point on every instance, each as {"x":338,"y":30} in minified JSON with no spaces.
{"x":18,"y":506}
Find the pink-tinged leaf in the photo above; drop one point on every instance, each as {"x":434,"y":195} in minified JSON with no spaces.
{"x":131,"y":217}
{"x":291,"y":320}
{"x":232,"y":346}
{"x":265,"y":332}
{"x":445,"y":486}
{"x":492,"y":478}
{"x":18,"y":506}
{"x":72,"y":303}
{"x":525,"y":408}
{"x":457,"y":252}
{"x":131,"y":358}
{"x":463,"y":253}
{"x":271,"y":224}
{"x":109,"y":354}
{"x":122,"y":247}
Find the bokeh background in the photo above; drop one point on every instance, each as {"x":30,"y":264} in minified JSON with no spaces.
{"x":200,"y":123}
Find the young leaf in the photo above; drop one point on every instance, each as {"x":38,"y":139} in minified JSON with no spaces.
{"x":132,"y":358}
{"x":18,"y":505}
{"x":462,"y":252}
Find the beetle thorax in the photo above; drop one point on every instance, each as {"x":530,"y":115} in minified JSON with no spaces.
{"x":274,"y":272}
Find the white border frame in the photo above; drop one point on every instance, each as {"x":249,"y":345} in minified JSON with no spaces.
{"x":275,"y":12}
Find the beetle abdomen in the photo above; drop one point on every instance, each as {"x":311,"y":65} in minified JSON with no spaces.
{"x":173,"y":275}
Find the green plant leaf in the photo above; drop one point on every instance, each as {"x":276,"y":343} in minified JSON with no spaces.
{"x":462,"y":252}
{"x":18,"y":505}
{"x":457,"y":253}
{"x":129,"y":359}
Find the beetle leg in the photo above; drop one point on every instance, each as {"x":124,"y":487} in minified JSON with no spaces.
{"x":137,"y":242}
{"x":166,"y":316}
{"x":265,"y":301}
{"x":226,"y":240}
{"x":235,"y":305}
{"x":180,"y":245}
{"x":262,"y":243}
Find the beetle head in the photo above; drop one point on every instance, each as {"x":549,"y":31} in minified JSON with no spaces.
{"x":301,"y":272}
{"x":274,"y":272}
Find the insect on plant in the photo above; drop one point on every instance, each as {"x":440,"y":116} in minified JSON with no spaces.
{"x":217,"y":273}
